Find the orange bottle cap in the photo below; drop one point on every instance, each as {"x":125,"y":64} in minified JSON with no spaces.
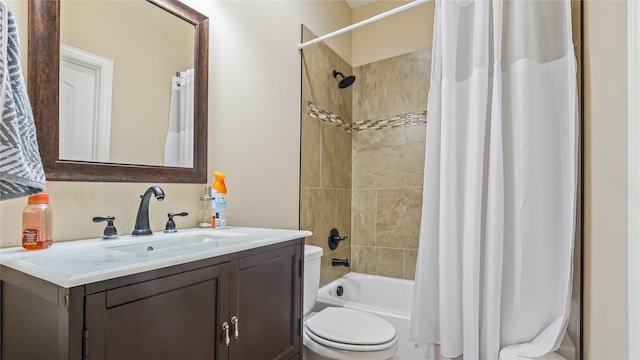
{"x":218,"y":184}
{"x":41,"y":198}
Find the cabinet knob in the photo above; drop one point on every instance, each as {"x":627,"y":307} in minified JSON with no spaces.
{"x":235,"y":321}
{"x":225,"y":328}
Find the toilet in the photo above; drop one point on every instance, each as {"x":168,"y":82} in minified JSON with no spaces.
{"x":338,"y":333}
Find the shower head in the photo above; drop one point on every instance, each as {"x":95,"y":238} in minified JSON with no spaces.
{"x":346,"y":81}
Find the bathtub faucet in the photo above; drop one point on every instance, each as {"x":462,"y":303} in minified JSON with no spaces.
{"x":340,"y":262}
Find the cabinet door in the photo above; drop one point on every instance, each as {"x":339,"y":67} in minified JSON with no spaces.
{"x":170,"y":318}
{"x":268,"y":305}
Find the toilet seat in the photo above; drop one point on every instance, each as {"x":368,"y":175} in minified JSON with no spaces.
{"x":321,"y":352}
{"x":351,"y":330}
{"x":348,"y":347}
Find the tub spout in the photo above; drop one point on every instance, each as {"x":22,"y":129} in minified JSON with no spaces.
{"x":340,"y":262}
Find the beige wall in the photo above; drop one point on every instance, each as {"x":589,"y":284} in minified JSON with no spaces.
{"x":605,"y":211}
{"x":254,"y":101}
{"x":254,"y":125}
{"x":19,"y":10}
{"x":396,"y":35}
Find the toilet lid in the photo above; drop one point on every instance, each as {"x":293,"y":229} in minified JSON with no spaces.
{"x":348,"y":326}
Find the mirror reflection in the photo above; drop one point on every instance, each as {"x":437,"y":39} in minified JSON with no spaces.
{"x":44,"y":82}
{"x":126,"y":84}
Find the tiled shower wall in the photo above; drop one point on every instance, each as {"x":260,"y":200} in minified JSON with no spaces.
{"x":389,"y":125}
{"x":325,"y":176}
{"x":363,"y":177}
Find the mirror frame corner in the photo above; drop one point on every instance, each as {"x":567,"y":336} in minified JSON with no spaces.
{"x":43,"y":87}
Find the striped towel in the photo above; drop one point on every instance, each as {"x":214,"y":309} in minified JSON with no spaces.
{"x":21,"y":172}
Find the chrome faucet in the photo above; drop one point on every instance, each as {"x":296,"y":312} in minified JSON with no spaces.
{"x":142,"y":220}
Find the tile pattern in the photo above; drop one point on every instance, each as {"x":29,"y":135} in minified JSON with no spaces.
{"x":398,"y":85}
{"x":387,"y":158}
{"x":363,"y":177}
{"x":318,"y":84}
{"x":325,"y":146}
{"x":408,"y":119}
{"x":389,"y":141}
{"x":327,"y":116}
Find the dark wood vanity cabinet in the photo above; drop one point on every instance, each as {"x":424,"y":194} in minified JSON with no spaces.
{"x":266,"y":303}
{"x":190,"y":311}
{"x":166,"y":318}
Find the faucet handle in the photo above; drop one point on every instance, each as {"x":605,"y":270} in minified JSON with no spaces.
{"x":171,"y":225}
{"x":335,"y":238}
{"x":110,"y":231}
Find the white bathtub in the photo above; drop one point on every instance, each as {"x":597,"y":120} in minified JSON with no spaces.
{"x":386,"y":297}
{"x":390,"y":299}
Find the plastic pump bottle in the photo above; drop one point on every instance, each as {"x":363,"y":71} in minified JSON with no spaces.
{"x":37,"y":223}
{"x":219,"y":195}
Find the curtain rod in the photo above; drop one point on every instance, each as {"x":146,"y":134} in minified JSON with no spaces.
{"x":363,"y":22}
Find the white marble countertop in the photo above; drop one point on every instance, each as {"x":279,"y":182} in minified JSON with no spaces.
{"x":80,"y":262}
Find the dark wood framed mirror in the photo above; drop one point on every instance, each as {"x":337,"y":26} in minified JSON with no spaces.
{"x":43,"y":86}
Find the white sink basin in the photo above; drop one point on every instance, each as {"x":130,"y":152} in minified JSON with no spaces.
{"x":158,"y":246}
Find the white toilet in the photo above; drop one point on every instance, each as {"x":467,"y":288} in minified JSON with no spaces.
{"x":338,"y":333}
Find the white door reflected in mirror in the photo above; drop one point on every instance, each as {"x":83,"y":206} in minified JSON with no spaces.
{"x":85,"y":105}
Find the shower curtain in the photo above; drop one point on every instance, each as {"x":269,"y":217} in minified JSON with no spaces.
{"x":496,"y":240}
{"x":178,"y":149}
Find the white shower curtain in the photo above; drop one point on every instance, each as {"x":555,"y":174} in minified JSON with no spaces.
{"x":496,"y":240}
{"x":178,"y":149}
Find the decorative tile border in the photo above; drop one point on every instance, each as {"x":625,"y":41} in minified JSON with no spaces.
{"x":408,"y":119}
{"x":335,"y":119}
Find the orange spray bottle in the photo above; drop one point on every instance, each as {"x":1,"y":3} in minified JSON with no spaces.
{"x":219,"y":195}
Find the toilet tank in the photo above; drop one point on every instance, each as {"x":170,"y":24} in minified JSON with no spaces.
{"x":312,"y":258}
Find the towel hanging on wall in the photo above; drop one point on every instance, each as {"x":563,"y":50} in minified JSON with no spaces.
{"x":21,"y":172}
